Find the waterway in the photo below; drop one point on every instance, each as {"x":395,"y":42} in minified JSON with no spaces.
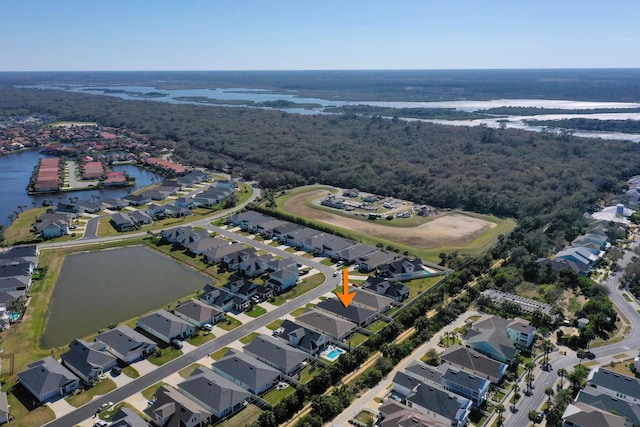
{"x":15,"y":173}
{"x":236,"y":96}
{"x":96,"y":289}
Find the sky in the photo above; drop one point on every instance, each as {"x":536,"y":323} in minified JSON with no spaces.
{"x":141,"y":35}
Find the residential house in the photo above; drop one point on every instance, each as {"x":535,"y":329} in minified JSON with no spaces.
{"x":256,"y":265}
{"x":396,"y":291}
{"x":170,"y":408}
{"x":185,"y":202}
{"x":354,"y":313}
{"x":315,"y":243}
{"x":332,"y":248}
{"x":614,"y":384}
{"x":184,"y":236}
{"x":52,"y":228}
{"x":158,"y":193}
{"x":88,"y":360}
{"x":305,"y":339}
{"x":288,"y":227}
{"x":156,"y":211}
{"x":488,"y":335}
{"x":284,"y":279}
{"x":371,"y":300}
{"x":220,"y":298}
{"x":597,"y":239}
{"x":198,"y":312}
{"x":248,"y":220}
{"x":396,"y":414}
{"x":403,"y":269}
{"x":217,"y":255}
{"x":88,"y":206}
{"x":211,"y":197}
{"x":175,"y":211}
{"x":166,"y":326}
{"x":462,"y":358}
{"x":28,"y":253}
{"x":466,"y":385}
{"x":249,"y":373}
{"x":233,"y":260}
{"x":66,"y":209}
{"x":584,"y":259}
{"x":281,"y":264}
{"x":114,"y":204}
{"x":351,"y":254}
{"x":226,"y":183}
{"x":126,"y":417}
{"x":215,"y":393}
{"x":284,"y":358}
{"x":123,"y":222}
{"x":373,"y":260}
{"x":557,"y":264}
{"x":46,"y":379}
{"x":265,"y":228}
{"x":136,"y":200}
{"x":581,"y":415}
{"x":140,"y":218}
{"x":521,"y":332}
{"x":247,"y":289}
{"x":596,"y":398}
{"x":330,"y":325}
{"x":207,"y":244}
{"x":444,"y":406}
{"x":127,"y":344}
{"x":193,"y":177}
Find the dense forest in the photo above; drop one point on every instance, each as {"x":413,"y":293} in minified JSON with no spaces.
{"x":624,"y":126}
{"x":504,"y":172}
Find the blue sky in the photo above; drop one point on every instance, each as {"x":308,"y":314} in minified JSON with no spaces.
{"x":48,"y":35}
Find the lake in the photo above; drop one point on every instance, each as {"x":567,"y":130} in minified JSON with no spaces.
{"x":96,"y":289}
{"x":16,"y":170}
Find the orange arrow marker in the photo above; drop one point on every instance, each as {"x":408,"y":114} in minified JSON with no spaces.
{"x":345,"y":296}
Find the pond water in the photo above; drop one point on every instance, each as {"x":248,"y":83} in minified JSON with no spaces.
{"x":98,"y":288}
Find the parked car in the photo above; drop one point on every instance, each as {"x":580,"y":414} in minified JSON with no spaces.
{"x":177,"y":344}
{"x":207,"y":326}
{"x":116,"y":371}
{"x":335,"y":274}
{"x":106,"y":405}
{"x":101,"y":423}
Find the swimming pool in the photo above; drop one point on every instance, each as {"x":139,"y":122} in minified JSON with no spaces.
{"x":13,"y":316}
{"x":332,"y":353}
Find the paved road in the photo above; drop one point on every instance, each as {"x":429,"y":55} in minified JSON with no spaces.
{"x":603,"y":354}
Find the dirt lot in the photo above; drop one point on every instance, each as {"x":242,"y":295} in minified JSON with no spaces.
{"x":453,"y":229}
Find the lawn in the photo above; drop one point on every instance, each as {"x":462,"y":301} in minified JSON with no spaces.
{"x":376,"y":326}
{"x":148,"y":393}
{"x":246,"y":417}
{"x":130,"y":371}
{"x":21,"y":414}
{"x":166,"y":354}
{"x":249,"y":338}
{"x":365,"y":418}
{"x":20,"y":228}
{"x":229,"y":323}
{"x":219,"y":354}
{"x":298,"y":311}
{"x":103,"y":387}
{"x":257,"y":311}
{"x":304,"y":286}
{"x":200,"y":338}
{"x":274,"y":396}
{"x":357,"y":339}
{"x":307,"y":373}
{"x":186,"y":372}
{"x":275,"y":324}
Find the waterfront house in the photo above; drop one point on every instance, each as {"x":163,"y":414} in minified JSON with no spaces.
{"x":88,"y":360}
{"x":198,"y":313}
{"x":52,"y":229}
{"x":46,"y":379}
{"x":140,"y":218}
{"x":219,"y":298}
{"x":217,"y":255}
{"x":207,"y":244}
{"x":166,"y":326}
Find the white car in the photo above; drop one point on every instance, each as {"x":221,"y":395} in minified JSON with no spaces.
{"x":101,"y":423}
{"x":106,"y":405}
{"x":207,"y":326}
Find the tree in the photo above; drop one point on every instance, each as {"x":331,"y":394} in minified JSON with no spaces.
{"x":549,"y":392}
{"x":562,"y":373}
{"x":327,"y":407}
{"x":533,"y":416}
{"x":500,"y":409}
{"x":267,"y":419}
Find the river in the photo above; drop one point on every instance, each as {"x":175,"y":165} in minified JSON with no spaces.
{"x":15,"y":174}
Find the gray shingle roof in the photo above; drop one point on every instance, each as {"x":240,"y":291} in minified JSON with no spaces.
{"x":197,"y":310}
{"x":352,"y":312}
{"x":213,"y":390}
{"x":326,"y":323}
{"x":593,"y":397}
{"x":475,"y":362}
{"x":310,"y":340}
{"x":165,"y":323}
{"x":125,"y":340}
{"x":439,"y":401}
{"x":246,"y":369}
{"x":276,"y":354}
{"x":624,"y":384}
{"x":46,"y":375}
{"x":85,"y":357}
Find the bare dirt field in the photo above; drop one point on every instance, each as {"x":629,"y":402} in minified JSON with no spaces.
{"x":452,"y":229}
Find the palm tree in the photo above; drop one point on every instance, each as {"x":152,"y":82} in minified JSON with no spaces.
{"x":549,"y":392}
{"x":581,"y":354}
{"x":562,"y":373}
{"x":500,"y":409}
{"x":547,"y":347}
{"x":516,"y":391}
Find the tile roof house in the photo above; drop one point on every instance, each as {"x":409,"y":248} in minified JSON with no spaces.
{"x":170,"y":408}
{"x":88,"y":360}
{"x":127,"y":344}
{"x":198,"y":312}
{"x":273,"y":352}
{"x":581,"y":415}
{"x":307,"y":340}
{"x":166,"y":326}
{"x":246,"y":371}
{"x":328,"y":324}
{"x":478,"y":364}
{"x":212,"y":391}
{"x":47,"y":379}
{"x":354,"y":313}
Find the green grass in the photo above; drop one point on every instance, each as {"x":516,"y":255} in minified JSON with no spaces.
{"x":186,"y":372}
{"x":131,"y":372}
{"x":229,"y":323}
{"x":219,"y":354}
{"x":148,"y":393}
{"x":627,"y":297}
{"x":304,"y":286}
{"x":20,"y":228}
{"x":166,"y":354}
{"x":275,"y":324}
{"x":357,"y":339}
{"x":377,"y":326}
{"x":365,"y":418}
{"x":201,"y":338}
{"x":298,"y":311}
{"x":257,"y":311}
{"x":246,"y":417}
{"x":25,"y":418}
{"x":274,"y":396}
{"x":327,"y":261}
{"x":247,"y":339}
{"x":307,"y":374}
{"x":420,"y":285}
{"x":103,"y":387}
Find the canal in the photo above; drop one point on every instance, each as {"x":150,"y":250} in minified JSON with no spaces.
{"x":96,"y":289}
